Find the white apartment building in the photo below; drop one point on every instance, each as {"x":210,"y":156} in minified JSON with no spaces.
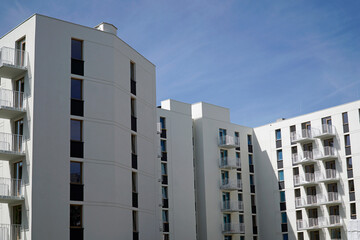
{"x":78,"y":136}
{"x":85,"y":153}
{"x":309,"y":174}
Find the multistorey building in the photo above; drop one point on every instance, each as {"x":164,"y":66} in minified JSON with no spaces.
{"x":309,"y":173}
{"x":78,"y":137}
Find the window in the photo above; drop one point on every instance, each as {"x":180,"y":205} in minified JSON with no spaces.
{"x":163,"y":169}
{"x":133,"y":107}
{"x":162,"y":123}
{"x":237,"y":155}
{"x":281,"y":175}
{"x":351,"y":186}
{"x":76,"y":130}
{"x":349,"y":163}
{"x":353,"y":210}
{"x":76,"y":172}
{"x":345,"y":122}
{"x":163,"y":145}
{"x":285,"y":236}
{"x":132,"y":71}
{"x":135,"y":221}
{"x":279,"y":155}
{"x":251,"y":159}
{"x":347,"y":145}
{"x":282,"y":196}
{"x":133,"y":144}
{"x":76,"y":49}
{"x":241,"y":218}
{"x":249,"y":139}
{"x":278,"y":134}
{"x":76,"y":89}
{"x":134,"y":182}
{"x":253,"y":202}
{"x":251,"y":179}
{"x":300,"y":236}
{"x":165,"y":216}
{"x":240,"y":198}
{"x":164,"y":191}
{"x":335,"y":233}
{"x":237,"y":139}
{"x":76,"y":212}
{"x":283,"y":217}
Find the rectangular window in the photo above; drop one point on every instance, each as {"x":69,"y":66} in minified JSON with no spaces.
{"x":163,"y":169}
{"x":76,"y":89}
{"x":278,"y":134}
{"x":132,"y":71}
{"x":347,"y":145}
{"x":345,"y":122}
{"x":76,"y":130}
{"x":251,"y":162}
{"x":285,"y":236}
{"x":165,"y":216}
{"x":76,"y":49}
{"x":281,"y":175}
{"x":162,"y":123}
{"x":135,"y":221}
{"x":163,"y":145}
{"x":134,"y":182}
{"x":133,"y":144}
{"x":237,"y":139}
{"x":76,"y":213}
{"x":164,"y":192}
{"x":353,"y":210}
{"x":279,"y":155}
{"x":251,"y":179}
{"x":283,"y":217}
{"x":249,"y":139}
{"x":292,"y":133}
{"x":133,"y":107}
{"x":351,"y":186}
{"x":282,"y":196}
{"x":349,"y":163}
{"x":76,"y":172}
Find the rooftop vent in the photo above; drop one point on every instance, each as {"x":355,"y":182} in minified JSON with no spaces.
{"x":280,"y":119}
{"x":107,"y":27}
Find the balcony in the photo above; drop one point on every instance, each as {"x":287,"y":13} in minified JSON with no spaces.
{"x":309,"y":201}
{"x":11,"y":232}
{"x":13,"y":62}
{"x":228,"y":163}
{"x":306,"y":135}
{"x":328,"y":154}
{"x":12,"y":104}
{"x":308,"y":179}
{"x":11,"y":146}
{"x":326,"y":131}
{"x":11,"y":190}
{"x":301,"y":224}
{"x":228,"y":142}
{"x":334,"y":221}
{"x":227,"y":184}
{"x":332,"y":198}
{"x":233,"y":228}
{"x":305,"y":158}
{"x":232,"y":206}
{"x":330,"y":176}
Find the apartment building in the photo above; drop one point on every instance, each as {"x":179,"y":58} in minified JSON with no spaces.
{"x":77,"y":141}
{"x":175,"y":161}
{"x":309,"y":174}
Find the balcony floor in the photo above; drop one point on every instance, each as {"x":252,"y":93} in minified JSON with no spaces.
{"x":10,"y":156}
{"x":325,"y":135}
{"x":9,"y":113}
{"x":10,"y":71}
{"x":10,"y":199}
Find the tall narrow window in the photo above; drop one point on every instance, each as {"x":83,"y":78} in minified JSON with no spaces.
{"x":76,"y":182}
{"x":133,"y":152}
{"x":292,"y":133}
{"x":134,"y":187}
{"x":135,"y":225}
{"x":77,"y":103}
{"x":133,"y":114}
{"x":76,"y":138}
{"x":77,"y":63}
{"x":351,"y":190}
{"x":349,"y":167}
{"x":20,"y":53}
{"x":278,"y":138}
{"x":250,"y":146}
{"x":281,"y":179}
{"x":163,"y":127}
{"x":76,"y":130}
{"x":283,"y":217}
{"x":165,"y":218}
{"x":279,"y":159}
{"x":353,"y":210}
{"x":347,"y":144}
{"x":132,"y":78}
{"x":237,"y":140}
{"x":345,"y":122}
{"x":76,"y":213}
{"x":251,"y":163}
{"x":164,"y":173}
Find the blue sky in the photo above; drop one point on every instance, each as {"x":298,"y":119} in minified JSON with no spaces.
{"x":262,"y":59}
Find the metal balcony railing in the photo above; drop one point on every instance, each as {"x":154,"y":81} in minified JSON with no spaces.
{"x":232,"y":206}
{"x":233,"y":228}
{"x":326,"y":130}
{"x":11,"y":188}
{"x":302,"y":136}
{"x":13,"y":57}
{"x":228,"y":142}
{"x":229,"y":162}
{"x":306,"y":157}
{"x":296,"y":180}
{"x":12,"y":99}
{"x":334,"y":220}
{"x":11,"y":143}
{"x":158,"y":128}
{"x":301,"y":224}
{"x":228,"y":184}
{"x":328,"y":153}
{"x":11,"y":232}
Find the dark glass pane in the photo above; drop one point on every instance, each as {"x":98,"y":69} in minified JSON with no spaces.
{"x":76,"y":192}
{"x":75,"y":172}
{"x":77,"y":107}
{"x":76,"y":91}
{"x":75,"y":130}
{"x":76,"y":49}
{"x":75,"y":215}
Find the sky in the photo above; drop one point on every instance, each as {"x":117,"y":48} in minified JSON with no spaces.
{"x":264,"y":60}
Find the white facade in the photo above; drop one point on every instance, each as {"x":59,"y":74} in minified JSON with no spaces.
{"x":107,"y":171}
